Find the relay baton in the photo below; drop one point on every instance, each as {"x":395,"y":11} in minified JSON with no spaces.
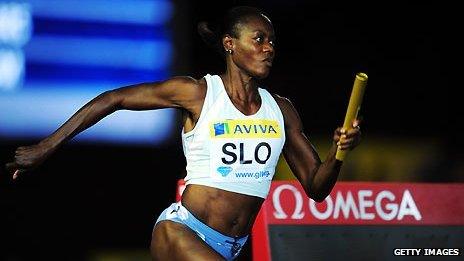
{"x":360,"y":82}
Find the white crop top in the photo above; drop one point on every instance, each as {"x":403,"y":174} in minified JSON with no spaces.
{"x":230,"y":150}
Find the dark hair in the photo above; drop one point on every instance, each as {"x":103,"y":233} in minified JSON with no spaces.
{"x":212,"y":33}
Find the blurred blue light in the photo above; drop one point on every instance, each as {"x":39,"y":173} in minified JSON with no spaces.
{"x":11,"y":69}
{"x":47,"y":26}
{"x":41,"y":75}
{"x":80,"y":49}
{"x":15,"y":23}
{"x":92,"y":51}
{"x":125,"y":11}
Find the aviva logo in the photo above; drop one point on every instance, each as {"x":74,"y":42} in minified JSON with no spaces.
{"x":245,"y":129}
{"x":221,"y":128}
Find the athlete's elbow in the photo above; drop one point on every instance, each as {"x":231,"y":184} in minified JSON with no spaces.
{"x":111,"y":99}
{"x":316,"y":195}
{"x":318,"y":198}
{"x":315,"y":192}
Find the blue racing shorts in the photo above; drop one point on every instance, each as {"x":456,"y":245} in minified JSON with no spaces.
{"x":228,"y":247}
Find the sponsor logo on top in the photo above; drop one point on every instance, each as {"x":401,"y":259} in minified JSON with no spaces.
{"x":245,"y":129}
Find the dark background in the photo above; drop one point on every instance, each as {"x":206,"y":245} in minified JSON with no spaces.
{"x":89,"y":197}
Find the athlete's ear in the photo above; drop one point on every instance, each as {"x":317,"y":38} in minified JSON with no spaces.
{"x":228,"y":43}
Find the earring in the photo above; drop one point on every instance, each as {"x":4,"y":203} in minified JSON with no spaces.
{"x":230,"y":51}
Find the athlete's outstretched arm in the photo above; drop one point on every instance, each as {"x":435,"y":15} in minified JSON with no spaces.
{"x":178,"y":92}
{"x":316,"y":177}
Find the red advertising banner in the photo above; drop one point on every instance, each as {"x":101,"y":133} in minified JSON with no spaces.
{"x":367,"y":203}
{"x":358,"y":203}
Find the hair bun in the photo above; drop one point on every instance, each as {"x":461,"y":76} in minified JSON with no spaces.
{"x":208,"y":36}
{"x":203,"y":26}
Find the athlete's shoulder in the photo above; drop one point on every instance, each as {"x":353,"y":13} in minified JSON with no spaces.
{"x":186,"y":81}
{"x":189,"y":85}
{"x":283,"y":102}
{"x":289,"y":112}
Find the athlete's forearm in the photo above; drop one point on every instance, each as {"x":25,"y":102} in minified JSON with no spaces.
{"x":88,"y":115}
{"x":326,"y":176}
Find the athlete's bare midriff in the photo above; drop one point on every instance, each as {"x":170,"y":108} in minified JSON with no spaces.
{"x":229,"y":213}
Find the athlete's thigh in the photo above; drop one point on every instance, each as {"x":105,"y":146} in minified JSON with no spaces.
{"x":174,"y":241}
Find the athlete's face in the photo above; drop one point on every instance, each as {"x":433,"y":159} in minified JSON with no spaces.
{"x":253,"y":50}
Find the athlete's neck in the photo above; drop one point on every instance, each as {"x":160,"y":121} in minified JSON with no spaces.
{"x":240,"y":87}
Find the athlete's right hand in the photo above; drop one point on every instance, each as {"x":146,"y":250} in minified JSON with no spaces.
{"x":28,"y":158}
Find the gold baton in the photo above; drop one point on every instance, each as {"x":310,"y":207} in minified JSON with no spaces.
{"x":360,"y":82}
